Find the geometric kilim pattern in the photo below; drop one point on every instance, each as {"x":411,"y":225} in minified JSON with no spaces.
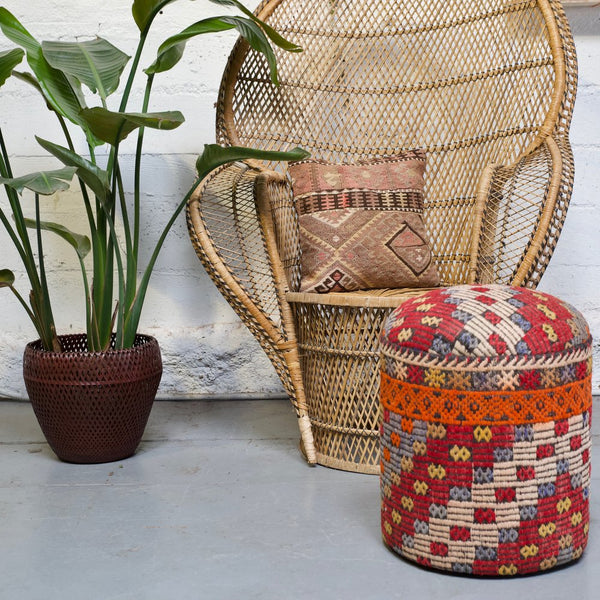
{"x":510,"y":375}
{"x":361,"y":225}
{"x":477,"y":322}
{"x":490,"y":407}
{"x":485,"y":436}
{"x":486,"y":500}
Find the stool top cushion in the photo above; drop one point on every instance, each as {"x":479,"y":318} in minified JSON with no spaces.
{"x":485,"y":322}
{"x":489,"y":354}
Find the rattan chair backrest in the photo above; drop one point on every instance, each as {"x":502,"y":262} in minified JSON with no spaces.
{"x":473,"y":82}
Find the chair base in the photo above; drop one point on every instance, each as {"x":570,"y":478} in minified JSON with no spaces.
{"x":326,"y":460}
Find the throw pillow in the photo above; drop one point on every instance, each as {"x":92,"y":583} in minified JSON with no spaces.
{"x":361,"y":225}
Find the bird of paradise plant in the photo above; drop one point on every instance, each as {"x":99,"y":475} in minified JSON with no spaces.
{"x":59,"y":70}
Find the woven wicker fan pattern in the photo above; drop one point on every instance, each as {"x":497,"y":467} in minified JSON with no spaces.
{"x":485,"y":87}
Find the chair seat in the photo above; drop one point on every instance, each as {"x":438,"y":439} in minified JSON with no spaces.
{"x":379,"y":298}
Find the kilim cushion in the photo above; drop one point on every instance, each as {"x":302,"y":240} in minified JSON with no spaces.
{"x":361,"y":225}
{"x":486,"y":402}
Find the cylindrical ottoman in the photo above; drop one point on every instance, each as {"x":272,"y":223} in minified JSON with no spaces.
{"x":486,"y":402}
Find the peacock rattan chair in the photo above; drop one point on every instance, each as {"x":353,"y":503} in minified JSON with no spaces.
{"x":485,"y":87}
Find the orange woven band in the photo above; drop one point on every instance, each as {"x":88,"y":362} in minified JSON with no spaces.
{"x":493,"y":408}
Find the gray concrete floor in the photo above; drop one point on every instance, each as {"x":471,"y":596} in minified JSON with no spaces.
{"x":217,"y":504}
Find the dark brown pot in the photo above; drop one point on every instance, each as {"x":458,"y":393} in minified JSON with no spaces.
{"x":92,"y":406}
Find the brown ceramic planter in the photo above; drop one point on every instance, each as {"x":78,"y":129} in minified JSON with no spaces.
{"x":92,"y":406}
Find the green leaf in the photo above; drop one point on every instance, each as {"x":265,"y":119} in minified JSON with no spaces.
{"x":7,"y":278}
{"x":112,"y":127}
{"x":144,"y":11}
{"x":166,"y":59}
{"x":255,"y":36}
{"x":251,"y":28}
{"x":8,"y":61}
{"x":95,"y":177}
{"x":42,"y":182}
{"x":171,"y":50}
{"x":55,"y":85}
{"x":95,"y":63}
{"x":81,"y":243}
{"x":215,"y":156}
{"x":31,"y":80}
{"x":275,"y":37}
{"x":15,"y":32}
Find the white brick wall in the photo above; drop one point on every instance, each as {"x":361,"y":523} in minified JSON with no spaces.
{"x":574,"y":271}
{"x":206,"y":350}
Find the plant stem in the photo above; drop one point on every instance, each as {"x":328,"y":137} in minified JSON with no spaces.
{"x":13,"y":199}
{"x":47,"y":320}
{"x":84,"y":193}
{"x":21,"y":240}
{"x":114,"y":251}
{"x":5,"y":158}
{"x":111,"y":168}
{"x":66,"y":132}
{"x":104,"y":217}
{"x":13,"y":236}
{"x":88,"y":304}
{"x":133,"y":70}
{"x":138,"y":168}
{"x":127,"y":91}
{"x":132,"y":259}
{"x":118,"y":185}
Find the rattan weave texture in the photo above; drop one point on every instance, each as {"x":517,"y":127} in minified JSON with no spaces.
{"x":485,"y":87}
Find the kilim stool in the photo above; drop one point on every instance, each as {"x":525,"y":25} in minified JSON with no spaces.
{"x":486,"y":402}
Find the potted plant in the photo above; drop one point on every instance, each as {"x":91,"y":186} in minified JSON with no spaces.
{"x":92,"y":393}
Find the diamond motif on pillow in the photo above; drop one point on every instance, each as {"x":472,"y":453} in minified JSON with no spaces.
{"x":411,"y":249}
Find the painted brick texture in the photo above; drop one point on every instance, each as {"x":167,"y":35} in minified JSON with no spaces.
{"x":206,"y":350}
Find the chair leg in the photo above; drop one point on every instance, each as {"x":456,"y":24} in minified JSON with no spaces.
{"x":307,"y":446}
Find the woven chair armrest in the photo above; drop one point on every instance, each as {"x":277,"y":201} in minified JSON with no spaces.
{"x":526,"y":200}
{"x":275,"y":200}
{"x":231,"y":228}
{"x":227,"y":235}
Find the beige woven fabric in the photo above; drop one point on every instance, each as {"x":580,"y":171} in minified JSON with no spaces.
{"x":485,"y":87}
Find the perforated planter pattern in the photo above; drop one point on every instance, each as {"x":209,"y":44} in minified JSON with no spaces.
{"x":92,"y":406}
{"x":486,"y":400}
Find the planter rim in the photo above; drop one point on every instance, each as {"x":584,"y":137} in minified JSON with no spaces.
{"x":141,"y":341}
